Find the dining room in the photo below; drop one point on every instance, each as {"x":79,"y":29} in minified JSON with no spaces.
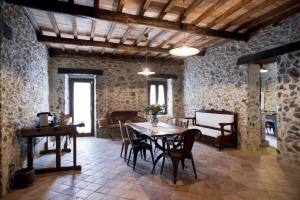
{"x":149,"y":99}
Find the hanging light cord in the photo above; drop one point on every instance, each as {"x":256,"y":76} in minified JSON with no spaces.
{"x":184,"y":27}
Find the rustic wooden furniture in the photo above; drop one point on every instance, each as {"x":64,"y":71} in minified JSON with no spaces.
{"x":125,"y":140}
{"x":162,"y":131}
{"x":177,"y":154}
{"x":217,"y":127}
{"x":137,"y":146}
{"x":57,"y":131}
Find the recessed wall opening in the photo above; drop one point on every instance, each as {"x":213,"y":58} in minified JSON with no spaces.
{"x":82,"y":104}
{"x":268,"y":102}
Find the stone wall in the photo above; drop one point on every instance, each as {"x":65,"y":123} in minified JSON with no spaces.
{"x":269,"y":87}
{"x":23,"y":86}
{"x":120,"y":88}
{"x":289,"y":108}
{"x":215,"y":81}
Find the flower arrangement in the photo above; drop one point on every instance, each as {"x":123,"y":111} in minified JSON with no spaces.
{"x":154,"y":109}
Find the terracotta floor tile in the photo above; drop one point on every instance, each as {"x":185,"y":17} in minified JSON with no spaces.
{"x":227,"y":175}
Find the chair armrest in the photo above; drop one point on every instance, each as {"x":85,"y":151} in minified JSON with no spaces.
{"x":190,"y":118}
{"x":226,"y":124}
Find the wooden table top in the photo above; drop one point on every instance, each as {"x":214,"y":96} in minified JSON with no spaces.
{"x":161,"y":130}
{"x":48,"y":131}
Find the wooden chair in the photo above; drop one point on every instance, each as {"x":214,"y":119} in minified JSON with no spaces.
{"x":125,"y":140}
{"x":137,"y":146}
{"x":176,"y":155}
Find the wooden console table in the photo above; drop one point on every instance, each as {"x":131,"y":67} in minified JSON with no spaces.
{"x":57,"y":131}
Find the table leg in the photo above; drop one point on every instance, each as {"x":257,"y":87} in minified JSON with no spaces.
{"x":58,"y":156}
{"x":29,"y":153}
{"x":74,"y":150}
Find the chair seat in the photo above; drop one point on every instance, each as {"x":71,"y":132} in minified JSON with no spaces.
{"x":209,"y":132}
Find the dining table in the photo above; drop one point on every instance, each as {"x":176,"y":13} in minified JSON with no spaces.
{"x":161,"y":131}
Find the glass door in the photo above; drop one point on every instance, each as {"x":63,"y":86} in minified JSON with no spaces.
{"x":82,"y":104}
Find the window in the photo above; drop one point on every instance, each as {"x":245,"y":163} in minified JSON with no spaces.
{"x":157,"y":93}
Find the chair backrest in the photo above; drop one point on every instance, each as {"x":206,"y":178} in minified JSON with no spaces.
{"x":130,"y":133}
{"x":188,"y":140}
{"x":123,"y":130}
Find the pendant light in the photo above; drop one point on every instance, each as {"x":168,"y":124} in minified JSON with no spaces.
{"x":146,"y":71}
{"x":184,"y":50}
{"x":263,"y":69}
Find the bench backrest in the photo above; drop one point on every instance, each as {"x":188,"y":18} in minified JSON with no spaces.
{"x":212,"y":118}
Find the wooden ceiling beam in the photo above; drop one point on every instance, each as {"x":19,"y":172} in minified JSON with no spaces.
{"x":145,"y":6}
{"x":54,"y":52}
{"x":32,"y":19}
{"x":167,"y":41}
{"x":269,"y":14}
{"x":125,"y":36}
{"x":93,"y":29}
{"x":209,"y":11}
{"x":96,"y":3}
{"x":110,"y":32}
{"x":245,"y":17}
{"x":74,"y":27}
{"x":229,"y":12}
{"x":167,"y":8}
{"x":192,"y":7}
{"x":49,"y":39}
{"x":269,"y":53}
{"x":156,"y":37}
{"x":54,"y":23}
{"x":101,"y":14}
{"x":120,"y":5}
{"x":142,"y":36}
{"x":275,"y":19}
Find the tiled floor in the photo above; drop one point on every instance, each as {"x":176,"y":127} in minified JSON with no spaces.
{"x":230,"y":174}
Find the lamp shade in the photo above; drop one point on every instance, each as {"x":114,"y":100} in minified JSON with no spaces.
{"x":184,"y":51}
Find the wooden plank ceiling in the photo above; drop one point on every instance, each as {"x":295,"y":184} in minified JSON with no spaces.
{"x":118,"y":26}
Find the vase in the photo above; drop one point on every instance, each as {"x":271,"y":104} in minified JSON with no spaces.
{"x":153,"y":120}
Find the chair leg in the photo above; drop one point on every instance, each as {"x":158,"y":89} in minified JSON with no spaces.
{"x":175,"y":162}
{"x":144,"y":151}
{"x":193,"y":166}
{"x":220,"y":144}
{"x":162,"y":165}
{"x":135,"y":153}
{"x":125,"y":151}
{"x":182,"y":164}
{"x":129,"y":156}
{"x":122,"y":149}
{"x":152,"y":157}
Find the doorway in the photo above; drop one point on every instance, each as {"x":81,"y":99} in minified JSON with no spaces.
{"x":269,"y":104}
{"x":82,"y":104}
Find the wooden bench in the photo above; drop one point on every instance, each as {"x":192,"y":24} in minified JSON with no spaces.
{"x":217,"y":127}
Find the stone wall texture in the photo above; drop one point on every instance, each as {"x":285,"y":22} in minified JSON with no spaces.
{"x":119,"y":88}
{"x":289,"y":108}
{"x":269,"y":87}
{"x":23,"y":86}
{"x":216,"y":81}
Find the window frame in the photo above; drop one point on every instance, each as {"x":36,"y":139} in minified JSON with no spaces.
{"x":157,"y":83}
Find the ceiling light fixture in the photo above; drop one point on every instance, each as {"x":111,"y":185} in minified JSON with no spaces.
{"x":184,"y":50}
{"x":262,"y":70}
{"x":146,"y":71}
